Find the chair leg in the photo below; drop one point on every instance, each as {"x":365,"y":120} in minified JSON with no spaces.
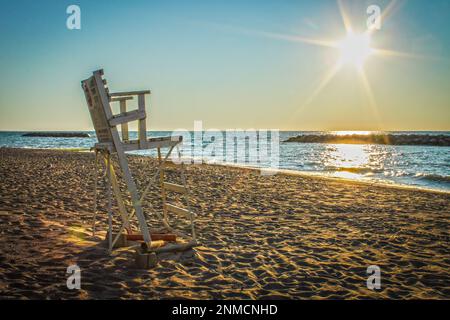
{"x":134,"y":198}
{"x":120,"y":202}
{"x":161,"y":182}
{"x":108,"y":187}
{"x":95,"y":192}
{"x":187,"y":195}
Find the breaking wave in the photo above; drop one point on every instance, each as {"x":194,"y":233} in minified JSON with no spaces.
{"x":433,"y":177}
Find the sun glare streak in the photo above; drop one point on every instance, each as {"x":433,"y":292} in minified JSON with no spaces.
{"x":367,"y":87}
{"x":326,"y":79}
{"x":369,"y":93}
{"x":275,"y":35}
{"x":323,"y":83}
{"x":292,"y":38}
{"x":400,"y":54}
{"x":345,"y":18}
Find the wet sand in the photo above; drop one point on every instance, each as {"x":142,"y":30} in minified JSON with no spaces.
{"x":281,"y":236}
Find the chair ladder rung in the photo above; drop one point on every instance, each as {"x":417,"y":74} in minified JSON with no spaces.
{"x":177,"y":210}
{"x":174,"y":187}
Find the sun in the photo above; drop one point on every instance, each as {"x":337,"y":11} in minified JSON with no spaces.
{"x":355,"y":49}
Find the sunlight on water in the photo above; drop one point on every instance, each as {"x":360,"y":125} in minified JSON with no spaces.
{"x":346,"y":156}
{"x":355,"y":161}
{"x":346,"y":161}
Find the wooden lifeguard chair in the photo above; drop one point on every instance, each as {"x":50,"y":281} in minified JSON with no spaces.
{"x":109,"y":143}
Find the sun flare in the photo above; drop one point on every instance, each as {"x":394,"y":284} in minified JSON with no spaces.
{"x":355,"y":49}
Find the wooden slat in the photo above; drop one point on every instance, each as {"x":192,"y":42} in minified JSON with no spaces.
{"x":121,"y":99}
{"x":124,"y":126}
{"x":129,"y":93}
{"x":120,"y":202}
{"x":174,"y":187}
{"x":127,"y":117}
{"x":177,"y":210}
{"x":142,"y":126}
{"x":161,"y":181}
{"x":155,"y":236}
{"x":176,"y":247}
{"x":170,"y":138}
{"x":108,"y":146}
{"x":133,"y":145}
{"x":98,"y":116}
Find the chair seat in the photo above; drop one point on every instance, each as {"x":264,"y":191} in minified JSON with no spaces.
{"x":151,"y":143}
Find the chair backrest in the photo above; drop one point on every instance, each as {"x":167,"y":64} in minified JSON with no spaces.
{"x":99,"y":112}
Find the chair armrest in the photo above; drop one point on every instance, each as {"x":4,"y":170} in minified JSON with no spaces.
{"x":127,"y":117}
{"x":129,"y":93}
{"x":121,"y":98}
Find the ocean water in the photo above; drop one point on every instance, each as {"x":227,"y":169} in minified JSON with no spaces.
{"x":417,"y":166}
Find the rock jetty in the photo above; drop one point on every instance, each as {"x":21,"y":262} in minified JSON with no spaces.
{"x":390,"y":139}
{"x":57,"y":134}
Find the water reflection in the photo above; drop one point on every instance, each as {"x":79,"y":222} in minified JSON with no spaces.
{"x":352,"y":160}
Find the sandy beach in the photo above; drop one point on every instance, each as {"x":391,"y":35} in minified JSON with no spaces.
{"x":281,"y":236}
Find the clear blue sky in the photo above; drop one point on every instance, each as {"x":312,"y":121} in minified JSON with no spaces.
{"x":215,"y":61}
